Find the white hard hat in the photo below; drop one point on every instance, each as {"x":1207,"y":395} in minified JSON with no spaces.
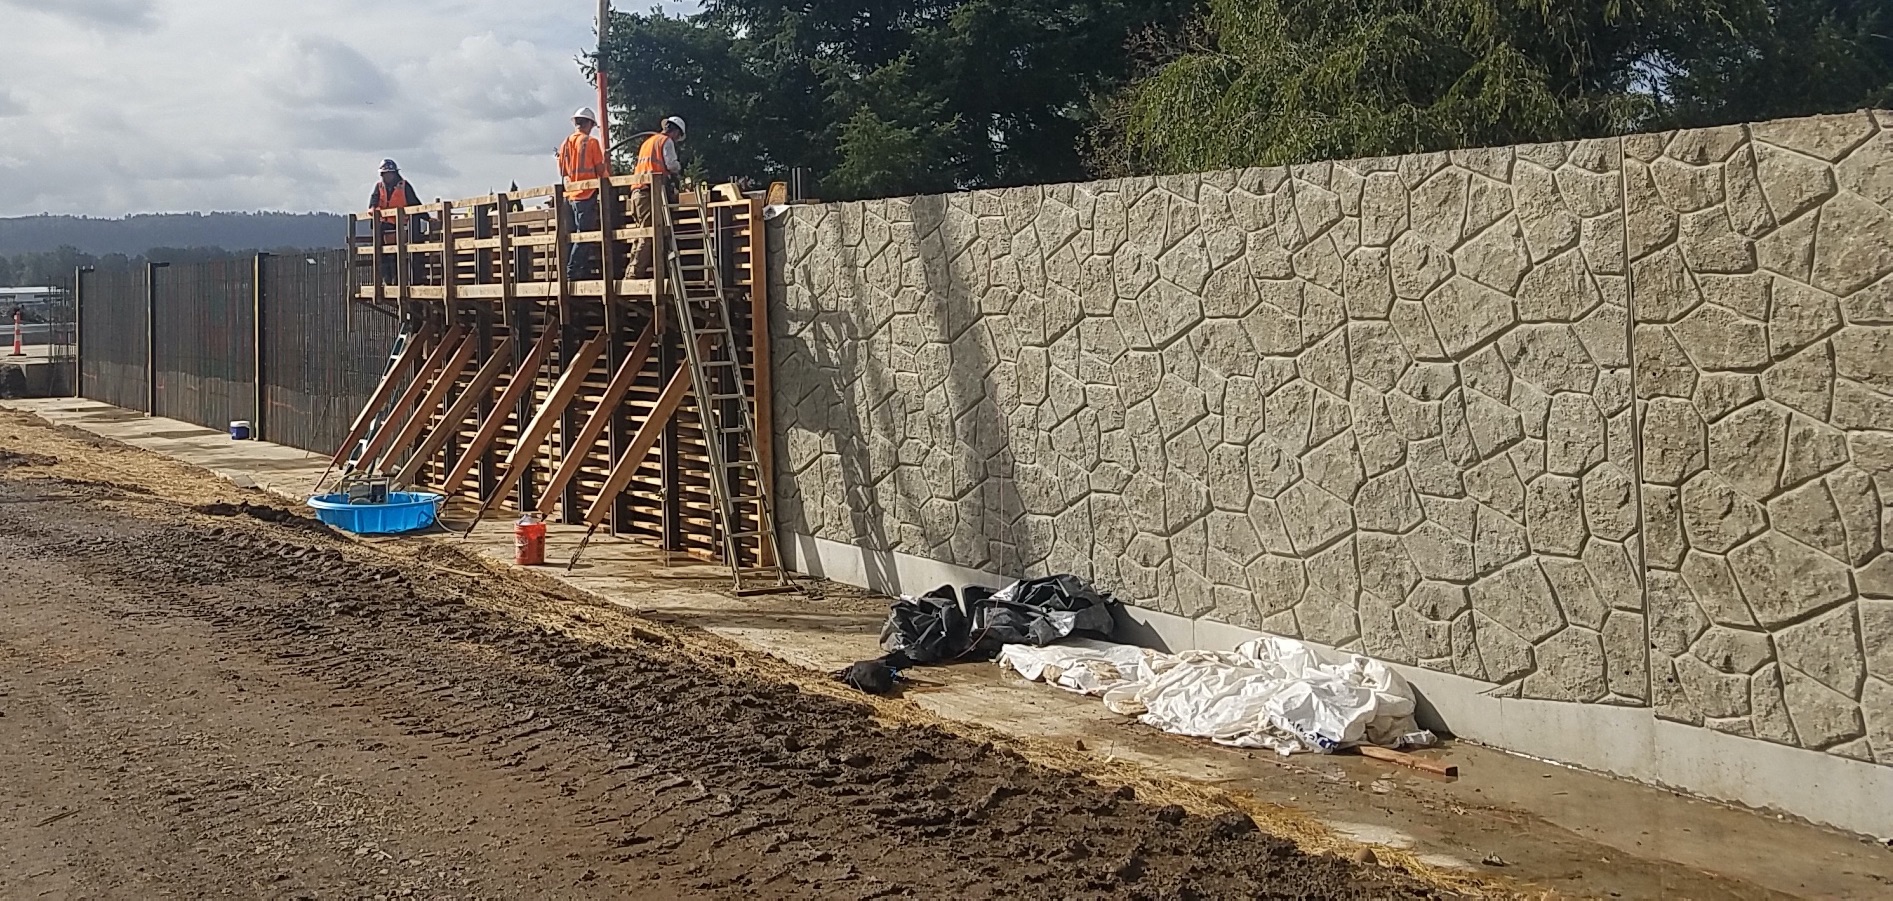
{"x":585,"y":112}
{"x":677,"y":121}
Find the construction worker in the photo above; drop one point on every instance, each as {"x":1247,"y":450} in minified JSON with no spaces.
{"x":657,"y":156}
{"x":392,"y":193}
{"x":582,"y":158}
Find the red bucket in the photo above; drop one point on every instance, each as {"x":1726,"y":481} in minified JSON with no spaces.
{"x":529,"y":540}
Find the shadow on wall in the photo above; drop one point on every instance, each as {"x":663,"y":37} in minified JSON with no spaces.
{"x":896,"y":372}
{"x":977,"y":510}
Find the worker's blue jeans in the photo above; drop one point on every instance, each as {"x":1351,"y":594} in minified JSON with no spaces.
{"x":584,"y":261}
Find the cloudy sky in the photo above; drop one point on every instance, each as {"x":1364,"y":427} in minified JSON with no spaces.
{"x":110,"y":107}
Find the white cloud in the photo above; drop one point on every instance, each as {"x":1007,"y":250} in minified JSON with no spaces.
{"x":120,"y":106}
{"x":321,"y":71}
{"x":114,"y":15}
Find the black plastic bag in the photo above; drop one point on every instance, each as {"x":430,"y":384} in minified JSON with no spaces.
{"x":944,"y":625}
{"x":874,"y":676}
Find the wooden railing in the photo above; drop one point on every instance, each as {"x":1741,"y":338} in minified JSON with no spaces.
{"x":515,"y":244}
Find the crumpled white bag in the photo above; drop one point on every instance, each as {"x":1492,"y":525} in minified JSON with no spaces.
{"x":1083,"y":665}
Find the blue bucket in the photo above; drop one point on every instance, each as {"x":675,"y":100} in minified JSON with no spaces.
{"x":240,"y":430}
{"x":405,"y":511}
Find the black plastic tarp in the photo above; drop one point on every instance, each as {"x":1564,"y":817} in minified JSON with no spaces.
{"x":974,"y":623}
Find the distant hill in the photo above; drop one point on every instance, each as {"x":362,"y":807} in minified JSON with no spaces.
{"x":133,"y":235}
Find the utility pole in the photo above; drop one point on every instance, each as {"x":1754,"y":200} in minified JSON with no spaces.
{"x":604,"y":105}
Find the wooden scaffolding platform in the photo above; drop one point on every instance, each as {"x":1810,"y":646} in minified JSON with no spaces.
{"x":523,"y":390}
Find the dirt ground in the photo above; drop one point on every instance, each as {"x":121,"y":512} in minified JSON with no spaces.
{"x":202,"y":696}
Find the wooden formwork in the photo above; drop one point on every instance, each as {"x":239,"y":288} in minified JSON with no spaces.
{"x":527,"y":389}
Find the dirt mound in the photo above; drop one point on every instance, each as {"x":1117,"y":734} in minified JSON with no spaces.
{"x":262,"y":513}
{"x":10,"y":459}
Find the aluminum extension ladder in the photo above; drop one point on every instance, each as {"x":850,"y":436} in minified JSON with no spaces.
{"x":729,"y":423}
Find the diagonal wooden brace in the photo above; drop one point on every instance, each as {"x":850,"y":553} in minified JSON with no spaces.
{"x":554,"y":406}
{"x":431,"y":401}
{"x":436,"y":358}
{"x":366,"y":418}
{"x":490,"y":371}
{"x":515,"y":389}
{"x":621,"y":382}
{"x":641,"y":443}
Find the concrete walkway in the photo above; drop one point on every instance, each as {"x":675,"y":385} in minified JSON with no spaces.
{"x":1579,"y":833}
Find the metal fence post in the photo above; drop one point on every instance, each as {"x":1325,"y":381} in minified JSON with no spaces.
{"x":151,"y":340}
{"x":256,"y":323}
{"x":78,"y":333}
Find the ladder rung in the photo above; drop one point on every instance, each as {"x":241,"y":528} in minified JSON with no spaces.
{"x":728,"y":396}
{"x":747,"y":534}
{"x":721,"y":363}
{"x":740,"y":464}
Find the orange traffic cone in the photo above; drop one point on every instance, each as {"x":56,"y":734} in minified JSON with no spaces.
{"x":19,"y":335}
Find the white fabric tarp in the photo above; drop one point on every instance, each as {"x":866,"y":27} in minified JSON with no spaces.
{"x":1272,"y":692}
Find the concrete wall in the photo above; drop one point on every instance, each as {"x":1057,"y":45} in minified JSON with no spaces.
{"x":1398,"y":406}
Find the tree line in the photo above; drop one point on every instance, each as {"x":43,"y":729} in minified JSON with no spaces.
{"x":55,"y":267}
{"x":880,"y":98}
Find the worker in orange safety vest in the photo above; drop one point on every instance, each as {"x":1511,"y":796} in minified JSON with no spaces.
{"x":657,"y":156}
{"x":582,"y":158}
{"x":393,"y":192}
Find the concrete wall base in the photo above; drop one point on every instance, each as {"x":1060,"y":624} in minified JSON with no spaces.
{"x":1628,"y":742}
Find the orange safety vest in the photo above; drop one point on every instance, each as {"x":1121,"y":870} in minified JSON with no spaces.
{"x":651,"y":155}
{"x":579,"y":159}
{"x":387,"y":198}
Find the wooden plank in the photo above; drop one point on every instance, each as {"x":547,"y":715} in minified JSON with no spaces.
{"x":508,"y":275}
{"x":514,"y":392}
{"x":448,"y":265}
{"x":562,"y":257}
{"x":383,"y":391}
{"x":403,"y":271}
{"x":457,"y":413}
{"x":412,"y":393}
{"x":1408,"y":760}
{"x":542,"y":421}
{"x":621,"y":382}
{"x":431,"y":401}
{"x":646,"y":438}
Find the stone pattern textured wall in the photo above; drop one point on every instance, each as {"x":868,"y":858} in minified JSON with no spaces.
{"x":1388,"y":405}
{"x":1762,"y":259}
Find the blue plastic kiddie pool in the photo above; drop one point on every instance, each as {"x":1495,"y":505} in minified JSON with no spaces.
{"x":404,"y":511}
